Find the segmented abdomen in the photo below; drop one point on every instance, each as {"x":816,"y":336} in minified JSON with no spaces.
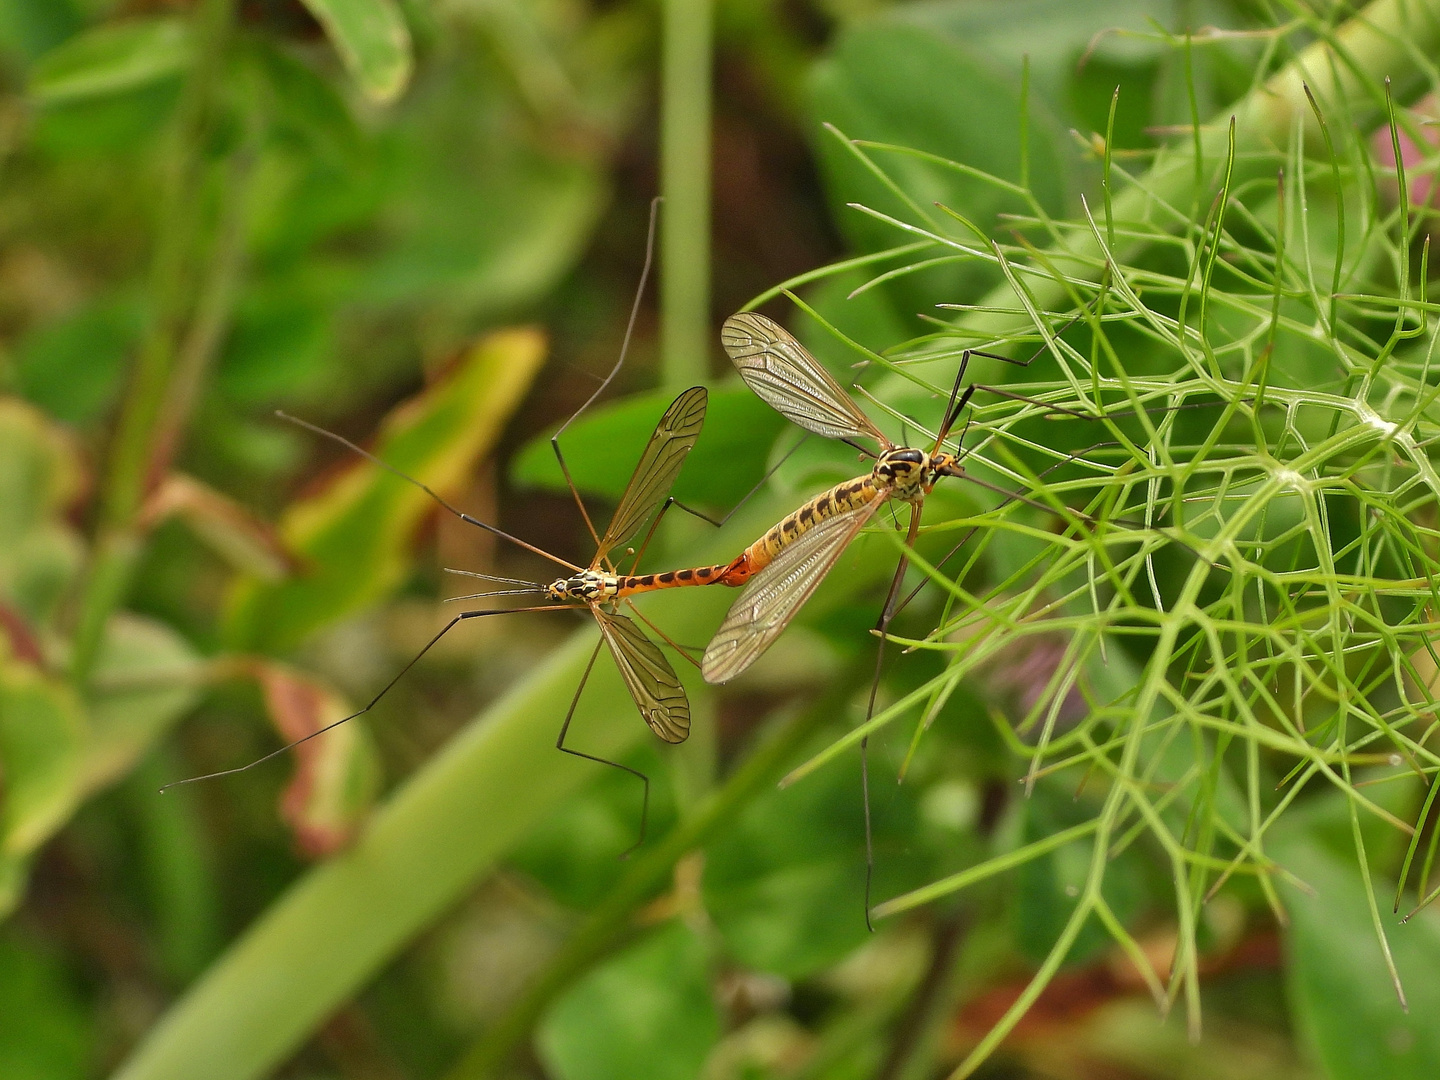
{"x":841,"y":498}
{"x":671,"y":579}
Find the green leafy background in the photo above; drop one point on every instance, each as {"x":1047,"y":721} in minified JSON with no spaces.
{"x":1144,"y":828}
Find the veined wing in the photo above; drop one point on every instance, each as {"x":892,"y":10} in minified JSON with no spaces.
{"x":791,"y":381}
{"x":648,"y":676}
{"x":777,"y":592}
{"x":659,"y":465}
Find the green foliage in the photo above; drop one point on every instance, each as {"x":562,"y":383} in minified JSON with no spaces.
{"x":1343,"y":994}
{"x":372,"y":39}
{"x":111,"y":59}
{"x":601,"y":448}
{"x":648,"y":1011}
{"x":1166,"y":701}
{"x":43,"y":1031}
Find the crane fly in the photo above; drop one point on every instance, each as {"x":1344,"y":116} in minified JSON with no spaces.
{"x":646,"y":672}
{"x":644,"y":668}
{"x":785,"y":566}
{"x":782,"y":569}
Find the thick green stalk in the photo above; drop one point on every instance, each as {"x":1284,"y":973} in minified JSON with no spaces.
{"x":421,"y":851}
{"x":607,"y":924}
{"x":117,"y":548}
{"x":685,"y":70}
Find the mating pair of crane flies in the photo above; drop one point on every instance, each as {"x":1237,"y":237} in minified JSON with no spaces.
{"x":779,"y":572}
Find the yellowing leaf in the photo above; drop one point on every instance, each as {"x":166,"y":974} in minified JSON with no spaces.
{"x":373,"y":41}
{"x":356,"y":534}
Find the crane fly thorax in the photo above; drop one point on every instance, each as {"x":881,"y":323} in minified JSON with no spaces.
{"x":587,"y":586}
{"x":906,"y":472}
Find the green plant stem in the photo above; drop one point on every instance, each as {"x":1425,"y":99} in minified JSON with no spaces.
{"x":606,"y":926}
{"x":685,"y":70}
{"x":117,"y":547}
{"x":213,"y":309}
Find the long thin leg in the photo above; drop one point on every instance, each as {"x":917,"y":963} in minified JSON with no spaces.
{"x":624,"y":349}
{"x":1000,"y":391}
{"x":560,"y":745}
{"x":956,"y":405}
{"x":882,"y":627}
{"x":423,"y":487}
{"x":373,"y":701}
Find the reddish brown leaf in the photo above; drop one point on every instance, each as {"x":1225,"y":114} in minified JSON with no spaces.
{"x":336,"y":772}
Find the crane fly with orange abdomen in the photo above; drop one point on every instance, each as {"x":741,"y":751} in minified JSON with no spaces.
{"x":647,"y":673}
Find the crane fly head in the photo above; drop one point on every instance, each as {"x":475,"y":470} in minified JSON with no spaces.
{"x":944,"y":463}
{"x":587,"y":586}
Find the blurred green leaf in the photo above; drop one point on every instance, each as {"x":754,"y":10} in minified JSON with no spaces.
{"x":176,"y":856}
{"x":307,"y":107}
{"x":575,"y":851}
{"x":1074,"y":66}
{"x":44,"y":1034}
{"x":373,"y":41}
{"x":602,"y":446}
{"x":34,"y":27}
{"x":1343,"y":999}
{"x":649,"y":1012}
{"x":900,"y":84}
{"x":280,"y":345}
{"x":146,"y":678}
{"x":113,"y":130}
{"x":356,"y":534}
{"x":1046,"y":888}
{"x":870,"y":319}
{"x":42,"y":732}
{"x":110,"y":58}
{"x":786,"y":884}
{"x":72,"y":368}
{"x":453,"y":250}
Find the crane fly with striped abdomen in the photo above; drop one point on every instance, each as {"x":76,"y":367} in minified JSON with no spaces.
{"x":645,"y":670}
{"x":784,"y":567}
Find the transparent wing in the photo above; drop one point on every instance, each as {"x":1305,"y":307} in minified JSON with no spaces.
{"x":791,"y":381}
{"x":659,"y":466}
{"x":651,"y":680}
{"x":777,"y":592}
